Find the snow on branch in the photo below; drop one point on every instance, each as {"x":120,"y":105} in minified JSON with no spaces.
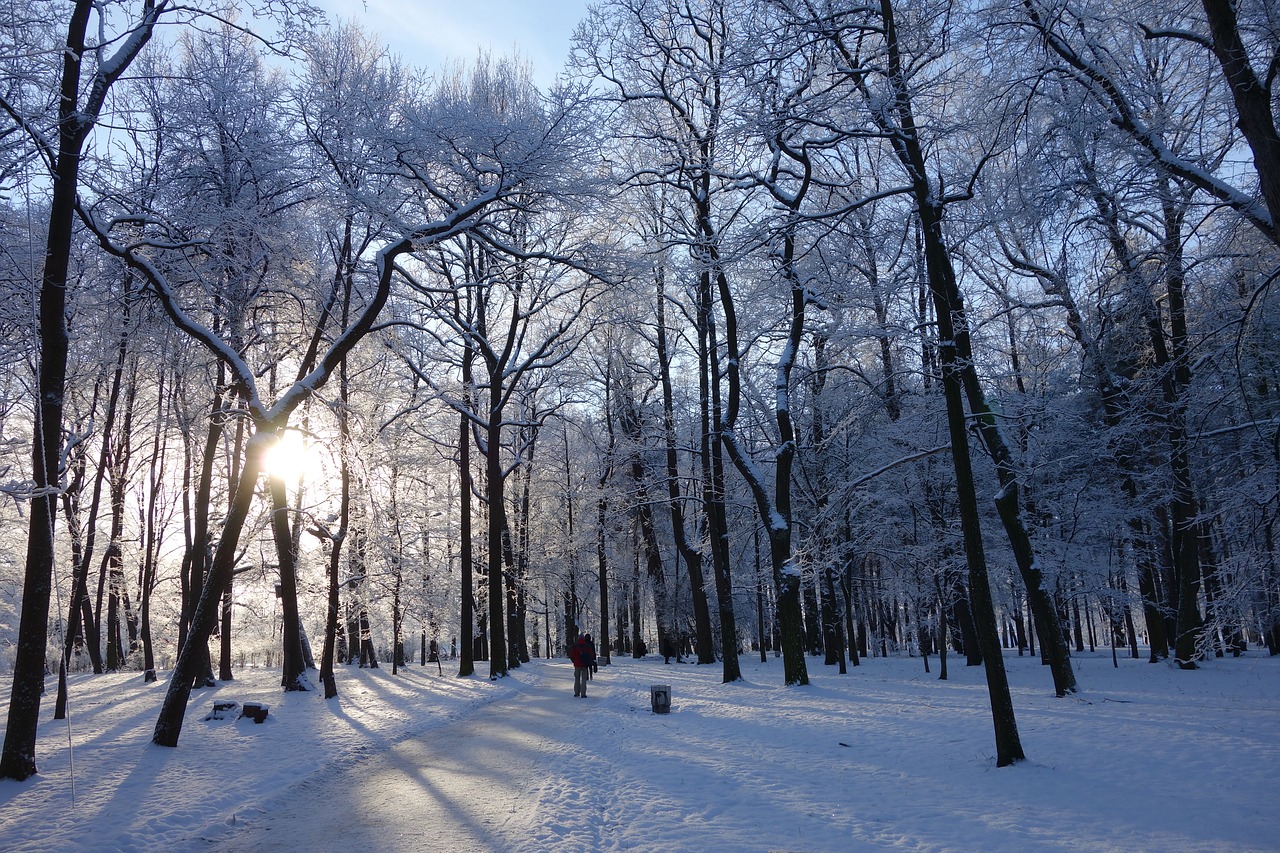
{"x":884,"y":469}
{"x":1100,"y":83}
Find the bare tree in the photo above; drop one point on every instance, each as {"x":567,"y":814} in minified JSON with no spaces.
{"x":522,"y":277}
{"x":667,"y":66}
{"x":347,"y":104}
{"x":143,"y":241}
{"x":1082,"y":39}
{"x":61,"y":147}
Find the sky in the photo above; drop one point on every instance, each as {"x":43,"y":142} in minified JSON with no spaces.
{"x":429,"y":32}
{"x":1146,"y":757}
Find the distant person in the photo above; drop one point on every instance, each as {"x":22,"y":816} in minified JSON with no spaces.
{"x":583,"y":655}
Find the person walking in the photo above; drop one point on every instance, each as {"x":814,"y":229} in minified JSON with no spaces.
{"x":583,"y":655}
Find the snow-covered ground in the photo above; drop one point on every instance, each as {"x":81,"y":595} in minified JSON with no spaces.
{"x":1145,"y":758}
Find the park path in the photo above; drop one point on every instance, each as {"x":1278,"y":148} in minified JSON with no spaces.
{"x":470,"y":785}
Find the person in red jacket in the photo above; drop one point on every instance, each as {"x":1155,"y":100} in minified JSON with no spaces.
{"x":583,"y":655}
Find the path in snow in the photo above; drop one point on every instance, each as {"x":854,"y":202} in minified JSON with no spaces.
{"x":466,"y":786}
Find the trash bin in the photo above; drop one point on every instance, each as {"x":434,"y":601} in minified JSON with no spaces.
{"x":660,"y":698}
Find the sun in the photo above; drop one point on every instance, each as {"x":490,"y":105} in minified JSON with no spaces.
{"x":292,"y":457}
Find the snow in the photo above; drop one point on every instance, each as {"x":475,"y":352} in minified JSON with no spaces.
{"x":887,"y":757}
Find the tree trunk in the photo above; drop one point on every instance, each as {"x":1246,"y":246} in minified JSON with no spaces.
{"x":18,"y":758}
{"x":602,"y":575}
{"x":77,"y":115}
{"x":151,"y":538}
{"x":637,"y":628}
{"x":648,"y":552}
{"x":813,"y":615}
{"x":328,"y":655}
{"x":293,"y":675}
{"x":942,"y":631}
{"x":519,"y":632}
{"x":1008,"y":743}
{"x":942,"y":282}
{"x":956,"y":367}
{"x":397,"y":618}
{"x":498,"y":532}
{"x":514,"y":627}
{"x":703,"y":642}
{"x":199,"y":541}
{"x":466,"y":554}
{"x":195,"y":651}
{"x":1184,"y":509}
{"x":850,"y":626}
{"x":712,"y":457}
{"x":775,"y":512}
{"x":112,"y":568}
{"x":834,"y":636}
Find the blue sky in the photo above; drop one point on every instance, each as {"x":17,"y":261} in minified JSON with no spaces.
{"x":428,"y":32}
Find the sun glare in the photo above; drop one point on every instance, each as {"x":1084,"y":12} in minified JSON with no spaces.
{"x":293,"y":457}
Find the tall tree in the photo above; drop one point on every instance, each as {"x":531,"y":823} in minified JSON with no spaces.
{"x":524,"y":274}
{"x":315,"y":367}
{"x":62,"y":148}
{"x":667,"y":65}
{"x":347,"y":104}
{"x":692,"y":557}
{"x":957,"y":371}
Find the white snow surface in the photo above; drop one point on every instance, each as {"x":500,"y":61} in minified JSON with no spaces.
{"x":887,"y":757}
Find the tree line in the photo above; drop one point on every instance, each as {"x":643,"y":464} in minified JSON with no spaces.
{"x":803,"y":326}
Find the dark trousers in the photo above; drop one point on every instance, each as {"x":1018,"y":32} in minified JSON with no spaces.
{"x":580,"y":674}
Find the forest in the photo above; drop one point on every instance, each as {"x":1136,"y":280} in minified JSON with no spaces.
{"x":816,"y":329}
